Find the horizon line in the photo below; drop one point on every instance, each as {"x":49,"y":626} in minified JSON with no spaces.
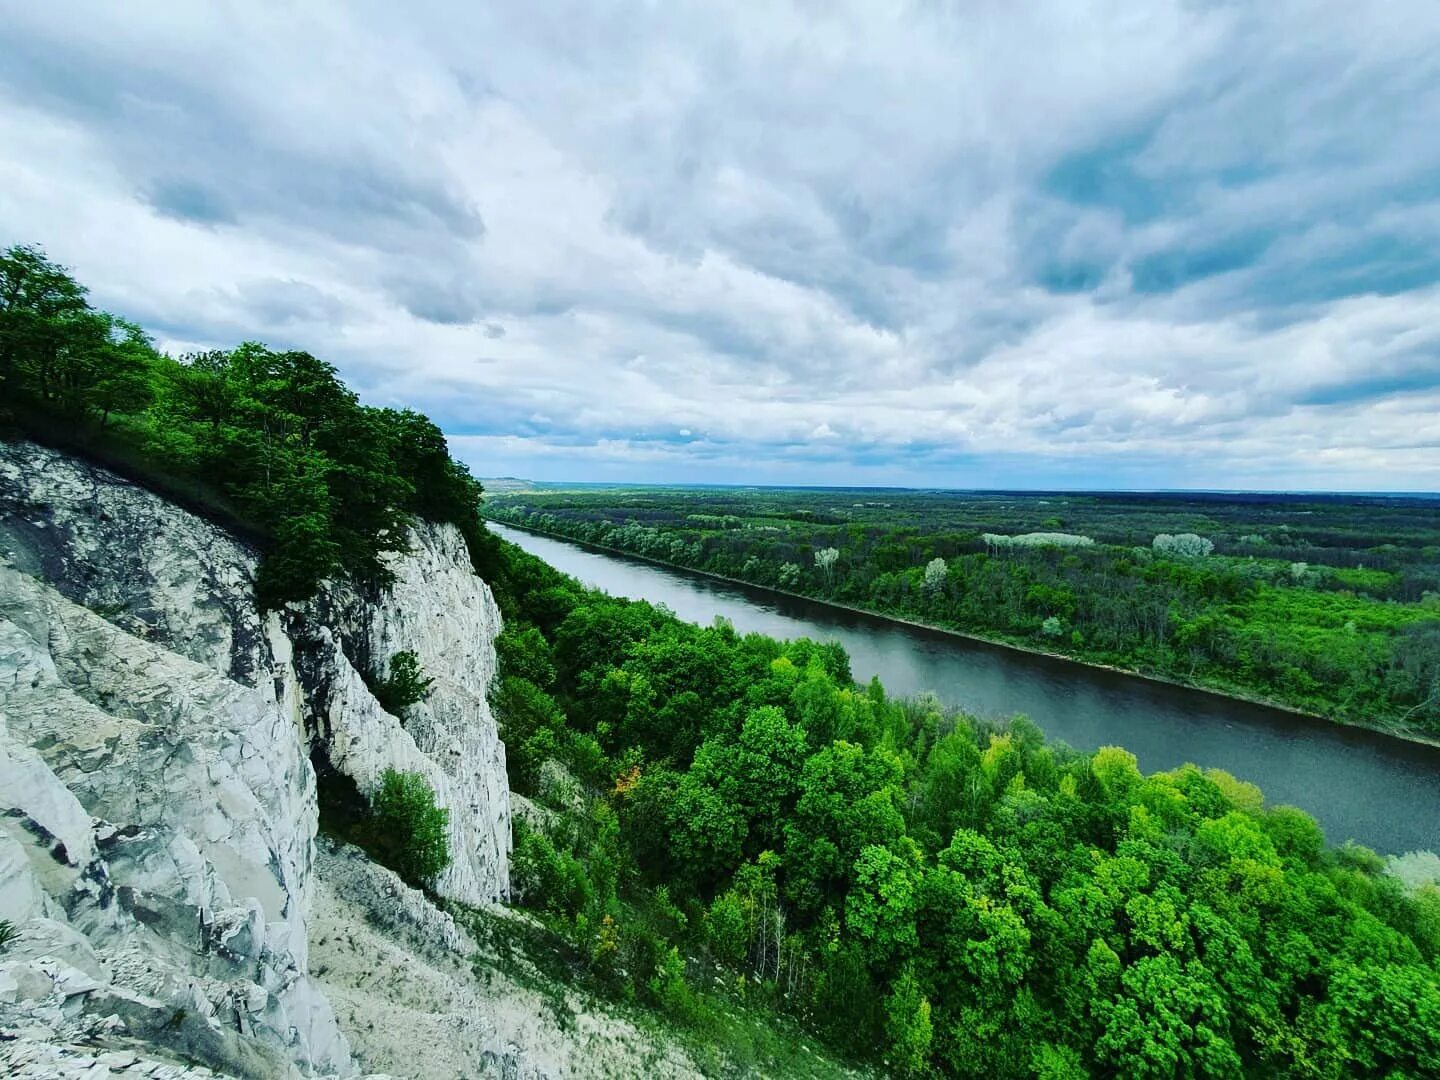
{"x":1356,"y":492}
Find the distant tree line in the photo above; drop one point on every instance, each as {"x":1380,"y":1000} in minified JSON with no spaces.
{"x":1356,"y":643}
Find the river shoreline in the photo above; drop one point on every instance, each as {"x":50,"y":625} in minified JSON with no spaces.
{"x":996,"y":643}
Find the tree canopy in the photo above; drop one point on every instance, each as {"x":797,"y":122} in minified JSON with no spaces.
{"x":936,"y":893}
{"x":271,"y":439}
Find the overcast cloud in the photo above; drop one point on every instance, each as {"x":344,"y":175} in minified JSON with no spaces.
{"x":966,"y":244}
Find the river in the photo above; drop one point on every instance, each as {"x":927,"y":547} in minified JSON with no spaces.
{"x":1360,"y":785}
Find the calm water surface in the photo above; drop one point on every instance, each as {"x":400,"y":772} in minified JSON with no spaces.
{"x":1379,"y":791}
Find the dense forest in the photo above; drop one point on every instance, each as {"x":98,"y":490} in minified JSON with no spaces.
{"x":708,"y":822}
{"x":727,"y":817}
{"x":1329,"y":604}
{"x":271,"y":442}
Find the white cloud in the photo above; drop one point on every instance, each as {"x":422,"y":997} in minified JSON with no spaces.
{"x":1177,"y":242}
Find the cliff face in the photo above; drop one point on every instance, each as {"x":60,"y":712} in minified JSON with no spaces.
{"x":441,"y":611}
{"x":155,"y":848}
{"x":157,"y":798}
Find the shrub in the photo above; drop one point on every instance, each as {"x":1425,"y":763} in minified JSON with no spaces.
{"x":1183,"y":546}
{"x":908,"y":1027}
{"x":671,"y":992}
{"x":726,"y":931}
{"x":546,"y":877}
{"x":408,"y":832}
{"x":405,"y":685}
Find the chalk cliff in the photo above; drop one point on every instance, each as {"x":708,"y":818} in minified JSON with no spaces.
{"x":159,"y":737}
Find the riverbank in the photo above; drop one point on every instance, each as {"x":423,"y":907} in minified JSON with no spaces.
{"x":1217,"y":692}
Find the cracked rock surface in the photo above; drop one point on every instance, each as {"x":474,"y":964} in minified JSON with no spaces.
{"x":157,"y":793}
{"x":165,"y":575}
{"x":155,"y":845}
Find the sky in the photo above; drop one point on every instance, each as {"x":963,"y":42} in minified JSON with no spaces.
{"x":984,"y":244}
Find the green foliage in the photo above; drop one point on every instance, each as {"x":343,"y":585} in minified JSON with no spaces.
{"x":727,"y":930}
{"x":880,"y":909}
{"x":270,"y":441}
{"x":403,"y":685}
{"x":524,"y":653}
{"x":929,"y":891}
{"x":1330,"y":604}
{"x":1389,"y":1017}
{"x":407,"y":831}
{"x":670,"y":990}
{"x":908,"y":1028}
{"x":547,"y":877}
{"x":531,"y":725}
{"x":8,"y":933}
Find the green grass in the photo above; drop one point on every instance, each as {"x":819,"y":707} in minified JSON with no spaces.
{"x":725,"y":1034}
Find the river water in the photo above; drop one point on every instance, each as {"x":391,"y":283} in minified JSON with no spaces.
{"x":1360,"y":785}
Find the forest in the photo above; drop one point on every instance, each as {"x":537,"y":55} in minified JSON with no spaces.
{"x":717,"y":819}
{"x":1329,"y":604}
{"x":271,"y":443}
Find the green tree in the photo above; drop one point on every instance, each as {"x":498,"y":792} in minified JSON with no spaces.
{"x":1390,"y":1018}
{"x":524,"y":652}
{"x":708,"y":831}
{"x":39,"y":303}
{"x":908,"y":1027}
{"x":880,"y":910}
{"x":544,"y":876}
{"x":954,"y":791}
{"x":848,"y":801}
{"x":409,"y":833}
{"x":726,"y":931}
{"x":1166,"y":1018}
{"x":403,"y":684}
{"x":531,"y":725}
{"x":758,"y":772}
{"x":125,"y":381}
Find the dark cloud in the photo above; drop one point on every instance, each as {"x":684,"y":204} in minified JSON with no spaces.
{"x":154,"y":121}
{"x":449,"y":303}
{"x":1106,"y":177}
{"x":1421,"y":375}
{"x":1176,"y":267}
{"x":186,"y":201}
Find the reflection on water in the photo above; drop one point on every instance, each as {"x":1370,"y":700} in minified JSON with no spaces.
{"x":1360,"y":785}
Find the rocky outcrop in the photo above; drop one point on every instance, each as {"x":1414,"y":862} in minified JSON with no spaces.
{"x":155,"y":847}
{"x":25,"y":1058}
{"x":157,"y":797}
{"x":171,"y":577}
{"x":438,"y":609}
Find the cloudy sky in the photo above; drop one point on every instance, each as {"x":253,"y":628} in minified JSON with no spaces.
{"x":967,"y":244}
